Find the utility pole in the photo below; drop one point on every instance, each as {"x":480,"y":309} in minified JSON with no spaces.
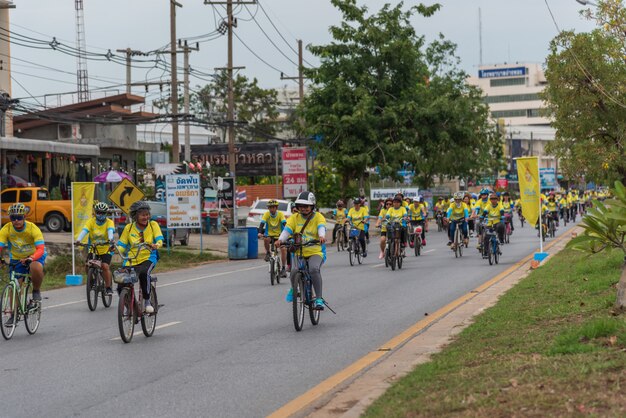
{"x":186,"y":50}
{"x":174,"y":95}
{"x":130,"y":53}
{"x":230,"y":114}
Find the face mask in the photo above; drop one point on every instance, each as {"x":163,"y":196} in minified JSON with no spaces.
{"x":100,"y":218}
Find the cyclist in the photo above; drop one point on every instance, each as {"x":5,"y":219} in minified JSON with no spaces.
{"x":426,"y":208}
{"x":552,"y":206}
{"x":509,"y":207}
{"x":383,"y":232}
{"x":25,"y":244}
{"x":358,"y":216}
{"x":398,"y":213}
{"x":100,"y":228}
{"x":310,"y":225}
{"x":271,"y":226}
{"x":456,"y":212}
{"x":564,"y":205}
{"x":141,"y":230}
{"x":493,"y":212}
{"x":340,"y":216}
{"x":418,"y":215}
{"x":481,"y":203}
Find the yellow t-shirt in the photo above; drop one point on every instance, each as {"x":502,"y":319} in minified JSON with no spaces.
{"x":132,"y":236}
{"x":97,"y":233}
{"x":340,"y":216}
{"x":21,"y":244}
{"x":458,"y":212}
{"x":396,"y":215}
{"x":416,"y":211}
{"x":310,"y":233}
{"x":381,"y":215}
{"x":494,"y":213}
{"x":273,"y":223}
{"x":359,"y":218}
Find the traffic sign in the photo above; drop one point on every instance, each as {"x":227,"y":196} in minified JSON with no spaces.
{"x":125,"y":194}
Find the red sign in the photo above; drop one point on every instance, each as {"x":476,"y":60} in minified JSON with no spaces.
{"x":502,"y":183}
{"x":294,"y":171}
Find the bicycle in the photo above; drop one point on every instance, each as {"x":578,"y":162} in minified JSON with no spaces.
{"x":415,"y":238}
{"x":439,"y":218}
{"x":95,"y":282}
{"x":303,"y":291}
{"x":491,"y":250}
{"x":354,"y":246}
{"x":275,"y":265}
{"x":521,"y":217}
{"x":551,"y":226}
{"x":508,"y":218}
{"x":131,"y":305}
{"x":393,"y":247}
{"x":341,"y":238}
{"x":14,"y":303}
{"x":457,"y":244}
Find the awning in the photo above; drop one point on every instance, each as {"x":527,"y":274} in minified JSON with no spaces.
{"x":37,"y":145}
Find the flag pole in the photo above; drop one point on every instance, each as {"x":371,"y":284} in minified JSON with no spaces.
{"x":73,"y":255}
{"x":540,"y":217}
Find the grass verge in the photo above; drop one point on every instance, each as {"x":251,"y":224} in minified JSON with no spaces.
{"x":549,"y":347}
{"x":61,"y":265}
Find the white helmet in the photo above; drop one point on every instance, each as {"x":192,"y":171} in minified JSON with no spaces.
{"x":306,"y":198}
{"x":458,"y":195}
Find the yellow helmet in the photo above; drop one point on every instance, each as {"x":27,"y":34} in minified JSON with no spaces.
{"x":272,"y":202}
{"x":17,"y":209}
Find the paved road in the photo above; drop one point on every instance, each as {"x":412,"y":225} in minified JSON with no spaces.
{"x":227,"y":346}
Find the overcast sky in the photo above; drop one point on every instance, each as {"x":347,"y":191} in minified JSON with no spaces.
{"x":513,"y":30}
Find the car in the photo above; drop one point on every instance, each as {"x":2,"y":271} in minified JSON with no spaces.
{"x":259,"y":208}
{"x":158,"y":213}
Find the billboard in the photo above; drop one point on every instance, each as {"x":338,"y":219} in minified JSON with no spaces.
{"x":502,"y":72}
{"x":294,"y":171}
{"x":252,"y":159}
{"x":380,"y":194}
{"x":548,"y":178}
{"x":183,"y":200}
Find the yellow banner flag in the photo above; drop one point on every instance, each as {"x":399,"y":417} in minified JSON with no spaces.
{"x":82,"y":205}
{"x":528,"y":175}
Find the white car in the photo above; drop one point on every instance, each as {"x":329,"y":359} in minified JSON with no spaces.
{"x":259,"y":208}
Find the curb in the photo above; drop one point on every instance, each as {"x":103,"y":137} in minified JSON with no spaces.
{"x":349,"y":392}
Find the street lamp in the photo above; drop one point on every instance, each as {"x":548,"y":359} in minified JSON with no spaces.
{"x":587,"y":3}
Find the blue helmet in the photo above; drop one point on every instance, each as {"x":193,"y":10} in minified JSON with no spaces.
{"x":474,"y":196}
{"x":421,"y":198}
{"x":484,"y":191}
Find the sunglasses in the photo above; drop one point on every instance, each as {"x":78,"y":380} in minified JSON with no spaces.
{"x":493,"y":198}
{"x":16,"y":218}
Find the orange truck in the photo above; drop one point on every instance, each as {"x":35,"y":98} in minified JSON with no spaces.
{"x":55,"y":215}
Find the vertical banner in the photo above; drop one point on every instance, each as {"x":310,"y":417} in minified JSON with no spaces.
{"x":528,"y":175}
{"x":82,"y":205}
{"x":294,"y":171}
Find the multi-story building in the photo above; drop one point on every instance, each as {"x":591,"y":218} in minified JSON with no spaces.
{"x":512,"y":93}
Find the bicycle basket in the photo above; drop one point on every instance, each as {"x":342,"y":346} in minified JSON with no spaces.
{"x":124,"y":276}
{"x":354,"y":232}
{"x":95,"y":263}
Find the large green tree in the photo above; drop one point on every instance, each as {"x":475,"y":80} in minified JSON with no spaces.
{"x":382,"y":97}
{"x":586,"y":74}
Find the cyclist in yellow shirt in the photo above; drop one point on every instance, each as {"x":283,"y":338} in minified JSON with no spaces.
{"x":142,"y":230}
{"x":310,"y":226}
{"x":383,"y":232}
{"x":398,"y":214}
{"x":358,"y":216}
{"x":26,"y":247}
{"x":340,"y":215}
{"x":493,"y":213}
{"x":418,"y":215}
{"x":271,"y":226}
{"x":100,"y":228}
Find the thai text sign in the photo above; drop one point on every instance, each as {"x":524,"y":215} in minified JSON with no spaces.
{"x":548,"y":178}
{"x":183,"y":200}
{"x":502,"y":72}
{"x":380,"y":194}
{"x":251,"y":159}
{"x":294,"y":171}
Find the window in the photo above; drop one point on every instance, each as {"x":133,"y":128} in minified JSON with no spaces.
{"x":42,"y":195}
{"x":511,"y":98}
{"x":502,"y":82}
{"x":26,"y":196}
{"x":9,"y":196}
{"x":509,"y":113}
{"x":535,"y":113}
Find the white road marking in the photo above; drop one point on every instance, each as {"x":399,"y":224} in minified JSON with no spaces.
{"x":139,"y":331}
{"x":377,"y":265}
{"x":171,"y":284}
{"x":429,"y":251}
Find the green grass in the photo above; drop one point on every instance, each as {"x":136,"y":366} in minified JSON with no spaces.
{"x":59,"y":266}
{"x":549,"y":347}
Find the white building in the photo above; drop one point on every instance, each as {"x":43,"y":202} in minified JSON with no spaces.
{"x":512,"y":93}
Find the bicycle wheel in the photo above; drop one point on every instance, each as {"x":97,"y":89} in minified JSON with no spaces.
{"x":126,"y":315}
{"x":507,"y":234}
{"x":456,"y":243}
{"x":417,"y":248}
{"x":148,"y":321}
{"x":400,"y":261}
{"x":359,"y":254}
{"x":496,"y":253}
{"x":314,"y":314}
{"x":387,"y":256}
{"x":489,"y":253}
{"x":92,"y":289}
{"x":298,"y":302}
{"x":351,"y":251}
{"x":272,"y":271}
{"x":394,"y":256}
{"x":279,"y":269}
{"x":8,"y":308}
{"x":32,"y":316}
{"x":340,"y":243}
{"x":106,"y":299}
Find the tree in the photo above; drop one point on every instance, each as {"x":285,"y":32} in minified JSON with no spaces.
{"x":381,"y":98}
{"x":586,"y":74}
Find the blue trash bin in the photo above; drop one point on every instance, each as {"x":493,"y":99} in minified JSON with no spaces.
{"x":238,"y":244}
{"x":253,"y":242}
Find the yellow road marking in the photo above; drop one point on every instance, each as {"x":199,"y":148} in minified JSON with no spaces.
{"x":364,"y":362}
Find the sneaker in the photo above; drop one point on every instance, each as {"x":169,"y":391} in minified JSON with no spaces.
{"x":267,"y":257}
{"x":289,"y":297}
{"x":381,"y":255}
{"x":466,"y":241}
{"x":364,"y":254}
{"x":449,"y":243}
{"x":109,"y":291}
{"x":319,"y":304}
{"x":9,"y":322}
{"x":283,"y":273}
{"x":148,"y":307}
{"x":36,"y":295}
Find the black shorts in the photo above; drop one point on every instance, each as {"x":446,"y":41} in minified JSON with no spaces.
{"x":105,"y":258}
